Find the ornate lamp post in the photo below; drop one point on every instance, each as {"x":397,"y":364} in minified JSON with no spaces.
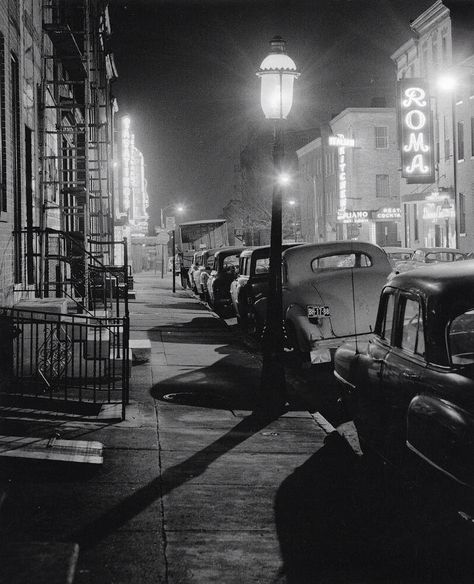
{"x":277,"y":74}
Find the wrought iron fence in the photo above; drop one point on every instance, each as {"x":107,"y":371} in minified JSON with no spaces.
{"x":66,"y":358}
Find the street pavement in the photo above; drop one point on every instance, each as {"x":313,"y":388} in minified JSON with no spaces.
{"x":187,"y":489}
{"x":197,"y":486}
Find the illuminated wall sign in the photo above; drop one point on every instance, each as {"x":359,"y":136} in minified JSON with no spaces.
{"x":341,"y":144}
{"x":126,"y":162}
{"x":344,"y":216}
{"x":416,"y":132}
{"x":339,"y":140}
{"x":387,"y":214}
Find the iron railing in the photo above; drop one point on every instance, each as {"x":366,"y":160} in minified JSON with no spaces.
{"x":65,"y":358}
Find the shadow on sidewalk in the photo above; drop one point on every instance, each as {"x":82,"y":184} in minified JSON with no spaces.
{"x":109,"y":522}
{"x":232,"y":383}
{"x":341,"y":519}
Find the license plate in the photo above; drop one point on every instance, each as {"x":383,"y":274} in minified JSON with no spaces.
{"x":317,"y":311}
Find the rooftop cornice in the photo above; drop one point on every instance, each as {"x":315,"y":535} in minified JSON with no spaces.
{"x":429,"y":18}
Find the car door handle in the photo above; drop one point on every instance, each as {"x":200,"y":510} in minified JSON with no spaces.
{"x":378,"y":360}
{"x":410,"y":375}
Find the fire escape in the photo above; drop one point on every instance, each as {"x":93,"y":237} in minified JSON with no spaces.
{"x":71,"y":341}
{"x":75,"y":254}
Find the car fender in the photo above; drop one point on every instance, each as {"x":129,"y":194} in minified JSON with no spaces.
{"x":443,"y":435}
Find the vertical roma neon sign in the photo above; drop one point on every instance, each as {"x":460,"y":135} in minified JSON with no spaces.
{"x":416,"y":131}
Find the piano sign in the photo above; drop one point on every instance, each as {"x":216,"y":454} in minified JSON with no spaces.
{"x":416,"y":131}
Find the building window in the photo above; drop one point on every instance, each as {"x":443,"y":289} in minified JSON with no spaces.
{"x":462,"y":213}
{"x":382,"y":185}
{"x":415,"y":222}
{"x":434,"y":53}
{"x":16,"y":159}
{"x":318,"y":167}
{"x":472,"y":136}
{"x":447,"y":153}
{"x":3,"y":149}
{"x":425,"y":58}
{"x":444,"y":49}
{"x":460,"y":140}
{"x":381,"y":137}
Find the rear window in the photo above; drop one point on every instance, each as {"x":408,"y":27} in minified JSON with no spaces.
{"x":262,"y":266}
{"x":340,"y":261}
{"x":461,"y":339}
{"x":210,"y":261}
{"x":231,"y":264}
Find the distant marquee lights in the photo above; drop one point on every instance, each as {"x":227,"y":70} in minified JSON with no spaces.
{"x":416,"y":131}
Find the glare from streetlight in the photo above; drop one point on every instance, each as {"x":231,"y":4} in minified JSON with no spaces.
{"x":180,"y":208}
{"x":447,"y":82}
{"x":292,"y":202}
{"x":284,"y":178}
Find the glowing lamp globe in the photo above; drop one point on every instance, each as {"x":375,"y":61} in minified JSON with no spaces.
{"x":277,"y":73}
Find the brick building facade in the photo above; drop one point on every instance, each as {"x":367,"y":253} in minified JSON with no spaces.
{"x":349,"y":179}
{"x":56,"y":121}
{"x":441,"y":213}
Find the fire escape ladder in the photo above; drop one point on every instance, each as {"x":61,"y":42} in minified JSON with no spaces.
{"x":74,"y":135}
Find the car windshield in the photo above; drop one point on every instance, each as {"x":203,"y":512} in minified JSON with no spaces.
{"x":400,"y":255}
{"x":461,"y":339}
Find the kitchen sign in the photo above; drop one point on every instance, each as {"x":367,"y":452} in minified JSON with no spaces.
{"x":416,"y":131}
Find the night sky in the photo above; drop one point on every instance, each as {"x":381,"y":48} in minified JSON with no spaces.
{"x":187,"y":78}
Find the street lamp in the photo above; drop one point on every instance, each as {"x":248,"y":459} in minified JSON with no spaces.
{"x":277,"y":74}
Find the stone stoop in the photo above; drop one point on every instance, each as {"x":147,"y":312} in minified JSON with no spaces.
{"x":140,"y":349}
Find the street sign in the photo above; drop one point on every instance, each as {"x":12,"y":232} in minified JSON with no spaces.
{"x":170,"y":223}
{"x":162,"y":238}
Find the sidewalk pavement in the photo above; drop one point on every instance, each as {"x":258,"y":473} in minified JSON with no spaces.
{"x":189,"y":481}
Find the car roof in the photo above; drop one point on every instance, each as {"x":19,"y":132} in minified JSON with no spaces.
{"x":448,"y":291}
{"x":230,"y":250}
{"x":264,"y":250}
{"x":453,"y":281}
{"x":394,"y":249}
{"x":439,"y":249}
{"x":329,"y":247}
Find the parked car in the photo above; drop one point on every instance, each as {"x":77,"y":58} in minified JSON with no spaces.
{"x":177,"y":264}
{"x":206,"y":261}
{"x":412,"y":383}
{"x":330,"y":292}
{"x":424,"y":256}
{"x":224,"y":272}
{"x":251,"y":283}
{"x":398,"y":254}
{"x":196,"y":263}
